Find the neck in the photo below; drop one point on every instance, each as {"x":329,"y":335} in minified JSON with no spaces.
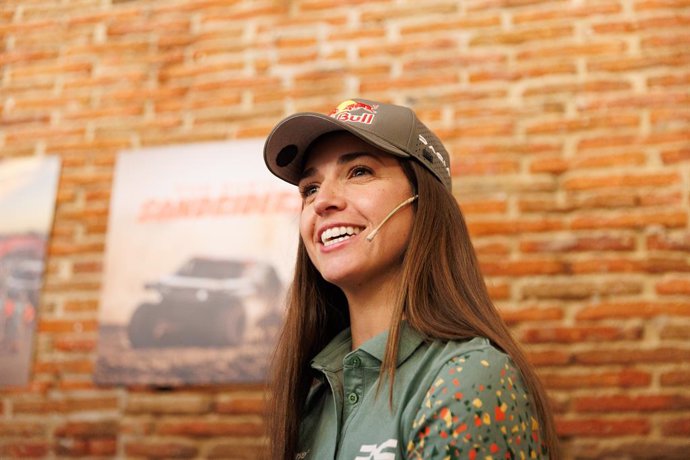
{"x":370,"y":311}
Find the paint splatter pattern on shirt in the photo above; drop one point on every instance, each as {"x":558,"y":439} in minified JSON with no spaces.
{"x":476,"y":409}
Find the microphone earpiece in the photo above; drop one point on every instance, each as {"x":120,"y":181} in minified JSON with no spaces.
{"x":390,"y":214}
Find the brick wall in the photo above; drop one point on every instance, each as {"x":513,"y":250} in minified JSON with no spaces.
{"x":568,"y":124}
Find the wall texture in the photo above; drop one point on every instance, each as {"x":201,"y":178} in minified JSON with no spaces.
{"x":568,"y":124}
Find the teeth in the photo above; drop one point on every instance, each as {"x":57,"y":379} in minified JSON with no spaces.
{"x":336,"y":234}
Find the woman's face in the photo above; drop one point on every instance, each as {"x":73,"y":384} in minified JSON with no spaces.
{"x":348,"y":188}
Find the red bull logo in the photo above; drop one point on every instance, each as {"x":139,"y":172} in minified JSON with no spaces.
{"x":354,"y":112}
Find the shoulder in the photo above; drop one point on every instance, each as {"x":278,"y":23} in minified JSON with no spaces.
{"x":475,"y":363}
{"x":474,"y":376}
{"x":476,"y":405}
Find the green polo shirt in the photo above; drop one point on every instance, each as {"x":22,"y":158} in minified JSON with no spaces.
{"x":451,"y":399}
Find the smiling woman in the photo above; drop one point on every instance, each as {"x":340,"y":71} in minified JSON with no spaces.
{"x":392,"y":348}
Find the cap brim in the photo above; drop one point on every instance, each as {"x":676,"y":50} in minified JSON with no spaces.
{"x":300,"y":130}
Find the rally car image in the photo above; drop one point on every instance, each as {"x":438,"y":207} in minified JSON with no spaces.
{"x":207,"y":302}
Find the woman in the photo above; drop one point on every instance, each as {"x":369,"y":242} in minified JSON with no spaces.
{"x":391,"y":347}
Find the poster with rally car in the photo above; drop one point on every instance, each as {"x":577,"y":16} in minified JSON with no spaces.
{"x":28,"y":188}
{"x":200,"y":248}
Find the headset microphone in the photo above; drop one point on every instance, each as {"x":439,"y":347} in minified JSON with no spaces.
{"x":390,"y":214}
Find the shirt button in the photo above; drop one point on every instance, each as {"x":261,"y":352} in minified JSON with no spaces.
{"x":353,"y":398}
{"x":356,"y":362}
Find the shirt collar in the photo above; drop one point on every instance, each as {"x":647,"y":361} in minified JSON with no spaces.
{"x":410,"y":340}
{"x":332,"y":356}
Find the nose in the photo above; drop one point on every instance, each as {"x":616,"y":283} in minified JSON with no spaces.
{"x":329,"y":198}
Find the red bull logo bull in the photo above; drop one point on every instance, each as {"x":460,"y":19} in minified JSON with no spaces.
{"x":354,"y":112}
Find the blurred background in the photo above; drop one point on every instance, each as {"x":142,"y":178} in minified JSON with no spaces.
{"x":568,"y":125}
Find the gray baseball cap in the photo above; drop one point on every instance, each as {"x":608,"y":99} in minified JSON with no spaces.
{"x":392,"y":128}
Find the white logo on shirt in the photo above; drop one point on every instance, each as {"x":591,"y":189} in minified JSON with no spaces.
{"x":376,"y":452}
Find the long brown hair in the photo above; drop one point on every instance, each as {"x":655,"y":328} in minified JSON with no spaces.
{"x":442,"y":295}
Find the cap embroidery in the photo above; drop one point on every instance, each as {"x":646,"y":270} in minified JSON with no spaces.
{"x":354,"y":112}
{"x":431,"y":147}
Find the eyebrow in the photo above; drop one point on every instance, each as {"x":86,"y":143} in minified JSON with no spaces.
{"x":342,"y":159}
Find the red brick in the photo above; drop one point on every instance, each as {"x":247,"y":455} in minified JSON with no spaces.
{"x":632,"y":309}
{"x":601,"y":7}
{"x":486,"y":206}
{"x":627,"y":378}
{"x":669,"y":241}
{"x":499,"y":291}
{"x":549,"y":358}
{"x":675,"y":331}
{"x":572,"y":290}
{"x":78,"y":447}
{"x":677,"y":427}
{"x":168,"y":404}
{"x":241,"y":405}
{"x":624,"y":403}
{"x":676,"y":378}
{"x":469,"y":22}
{"x":640,"y":180}
{"x":671,"y":157}
{"x":653,"y":44}
{"x":161,"y":449}
{"x":554,"y":165}
{"x":646,"y":5}
{"x":637,"y":448}
{"x":521,"y":73}
{"x":484,"y":167}
{"x":68,"y":405}
{"x":203,"y":428}
{"x":676,"y":286}
{"x":604,"y":199}
{"x":19,"y":428}
{"x":88,"y":429}
{"x":545,"y":334}
{"x":506,"y":227}
{"x":579,"y":244}
{"x":235,"y":450}
{"x":633,"y":219}
{"x":592,"y":427}
{"x":669,"y":80}
{"x":623,"y":265}
{"x":513,"y":316}
{"x":522,"y":267}
{"x":522,"y":36}
{"x":661,"y":199}
{"x":582,"y":124}
{"x":25,"y":449}
{"x":488,"y":248}
{"x":541,"y":205}
{"x":583,"y":50}
{"x":606,"y":356}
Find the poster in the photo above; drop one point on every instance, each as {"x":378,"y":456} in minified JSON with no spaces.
{"x":28,"y":188}
{"x":200,"y":249}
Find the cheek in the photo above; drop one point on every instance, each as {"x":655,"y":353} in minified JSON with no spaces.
{"x":306,"y":226}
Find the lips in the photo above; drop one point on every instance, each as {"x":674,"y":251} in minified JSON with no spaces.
{"x":337,"y":234}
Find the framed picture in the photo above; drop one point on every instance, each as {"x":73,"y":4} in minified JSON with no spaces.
{"x":200,"y":248}
{"x":28,"y":188}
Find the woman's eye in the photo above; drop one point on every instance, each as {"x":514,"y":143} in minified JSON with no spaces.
{"x":308,"y":190}
{"x":360,"y":171}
